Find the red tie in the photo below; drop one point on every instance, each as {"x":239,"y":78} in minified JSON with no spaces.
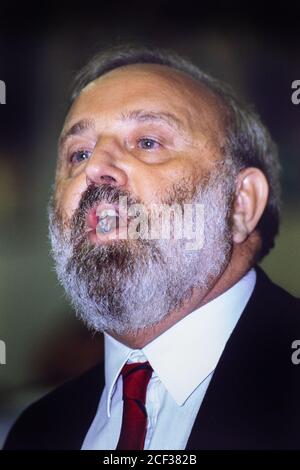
{"x":136,"y":377}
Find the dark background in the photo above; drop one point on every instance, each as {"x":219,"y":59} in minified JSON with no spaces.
{"x":255,"y":48}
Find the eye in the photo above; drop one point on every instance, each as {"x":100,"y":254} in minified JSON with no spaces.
{"x":79,"y":156}
{"x":146,"y":143}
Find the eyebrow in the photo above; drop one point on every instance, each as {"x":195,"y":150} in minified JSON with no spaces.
{"x":77,"y":129}
{"x":153,"y":116}
{"x":83,"y":125}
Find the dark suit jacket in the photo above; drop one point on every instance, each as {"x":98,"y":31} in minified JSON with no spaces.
{"x":252,"y":402}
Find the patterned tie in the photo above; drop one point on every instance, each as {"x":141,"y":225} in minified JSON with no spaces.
{"x":136,"y":377}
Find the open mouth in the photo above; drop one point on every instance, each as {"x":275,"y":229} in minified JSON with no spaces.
{"x":105,"y":221}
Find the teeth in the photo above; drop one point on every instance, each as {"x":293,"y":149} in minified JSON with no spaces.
{"x":107,"y":224}
{"x":107,"y":220}
{"x":107,"y":213}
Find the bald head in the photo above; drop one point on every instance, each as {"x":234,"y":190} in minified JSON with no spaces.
{"x":193,"y":105}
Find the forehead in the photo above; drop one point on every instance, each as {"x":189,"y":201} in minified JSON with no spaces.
{"x":148,"y":87}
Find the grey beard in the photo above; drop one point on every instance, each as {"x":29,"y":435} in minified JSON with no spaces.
{"x":129,"y":285}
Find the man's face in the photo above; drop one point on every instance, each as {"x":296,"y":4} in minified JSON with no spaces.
{"x":154,"y":136}
{"x":149,"y":128}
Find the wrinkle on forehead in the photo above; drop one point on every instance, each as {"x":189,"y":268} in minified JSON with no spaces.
{"x":198,"y":105}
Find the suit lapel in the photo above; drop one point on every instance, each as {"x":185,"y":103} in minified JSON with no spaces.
{"x":239,"y":408}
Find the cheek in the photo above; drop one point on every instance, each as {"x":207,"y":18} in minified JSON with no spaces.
{"x":156,"y":183}
{"x":68,"y":195}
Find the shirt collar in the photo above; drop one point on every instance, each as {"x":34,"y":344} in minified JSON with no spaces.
{"x":201,"y":335}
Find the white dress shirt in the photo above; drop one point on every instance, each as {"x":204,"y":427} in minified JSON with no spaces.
{"x":183,"y":359}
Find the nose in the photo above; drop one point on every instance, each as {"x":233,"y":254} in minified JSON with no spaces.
{"x":105,"y":164}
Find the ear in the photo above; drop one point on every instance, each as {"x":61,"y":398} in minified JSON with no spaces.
{"x":251,"y":197}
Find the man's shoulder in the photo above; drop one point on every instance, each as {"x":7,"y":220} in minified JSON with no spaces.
{"x":260,"y":349}
{"x":252,"y":401}
{"x":263,"y":339}
{"x":270,"y":321}
{"x":276,"y":302}
{"x":60,"y":419}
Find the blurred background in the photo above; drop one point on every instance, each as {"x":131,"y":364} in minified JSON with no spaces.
{"x":256,"y":50}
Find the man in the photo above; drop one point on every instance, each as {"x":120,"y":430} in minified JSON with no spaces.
{"x":198,"y":341}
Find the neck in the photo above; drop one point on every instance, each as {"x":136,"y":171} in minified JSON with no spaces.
{"x":240,"y":262}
